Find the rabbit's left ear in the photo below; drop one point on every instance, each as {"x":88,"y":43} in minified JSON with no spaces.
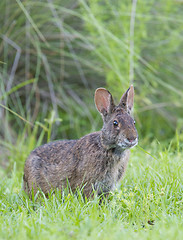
{"x":127,"y":99}
{"x":104,"y":102}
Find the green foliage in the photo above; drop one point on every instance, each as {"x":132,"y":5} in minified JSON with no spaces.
{"x":44,"y":66}
{"x":54,"y":61}
{"x":109,"y":24}
{"x":141,"y":43}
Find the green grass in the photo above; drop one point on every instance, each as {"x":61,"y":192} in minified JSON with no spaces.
{"x":148,"y":204}
{"x":54,"y":54}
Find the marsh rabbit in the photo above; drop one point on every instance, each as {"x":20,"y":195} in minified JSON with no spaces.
{"x":96,"y":161}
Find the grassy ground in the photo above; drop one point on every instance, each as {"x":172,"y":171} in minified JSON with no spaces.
{"x":148,"y":204}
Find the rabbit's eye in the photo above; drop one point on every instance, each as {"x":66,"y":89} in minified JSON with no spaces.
{"x":115,"y":123}
{"x":134,"y":122}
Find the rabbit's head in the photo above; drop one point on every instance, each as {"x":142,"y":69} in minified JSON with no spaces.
{"x":119,"y":127}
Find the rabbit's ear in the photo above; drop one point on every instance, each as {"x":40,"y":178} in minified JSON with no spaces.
{"x":104,"y":101}
{"x":126,"y":101}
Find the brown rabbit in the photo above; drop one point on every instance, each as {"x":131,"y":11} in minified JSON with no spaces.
{"x":96,"y":161}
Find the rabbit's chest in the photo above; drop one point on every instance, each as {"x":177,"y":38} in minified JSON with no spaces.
{"x":118,"y":164}
{"x":113,"y":173}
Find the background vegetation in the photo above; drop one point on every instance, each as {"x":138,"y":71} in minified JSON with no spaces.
{"x":53,"y":55}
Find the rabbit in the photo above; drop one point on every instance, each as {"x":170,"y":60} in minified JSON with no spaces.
{"x":96,"y":161}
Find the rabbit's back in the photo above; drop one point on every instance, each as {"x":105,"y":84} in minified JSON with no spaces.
{"x":49,"y":166}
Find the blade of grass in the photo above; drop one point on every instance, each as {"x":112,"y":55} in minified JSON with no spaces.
{"x":146,"y":152}
{"x":17,"y":87}
{"x":16,"y":114}
{"x":32,"y":22}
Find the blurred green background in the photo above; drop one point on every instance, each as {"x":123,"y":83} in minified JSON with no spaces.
{"x":54,"y":54}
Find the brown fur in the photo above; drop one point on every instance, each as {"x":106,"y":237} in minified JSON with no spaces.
{"x":96,"y":161}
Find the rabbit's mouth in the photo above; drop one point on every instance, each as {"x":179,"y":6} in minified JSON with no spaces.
{"x":128,"y":144}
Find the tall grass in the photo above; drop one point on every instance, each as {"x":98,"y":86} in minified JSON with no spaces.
{"x":70,"y":48}
{"x":53,"y":55}
{"x":40,"y":41}
{"x":140,"y":42}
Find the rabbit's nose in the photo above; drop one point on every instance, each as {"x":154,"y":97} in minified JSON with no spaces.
{"x":131,"y":139}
